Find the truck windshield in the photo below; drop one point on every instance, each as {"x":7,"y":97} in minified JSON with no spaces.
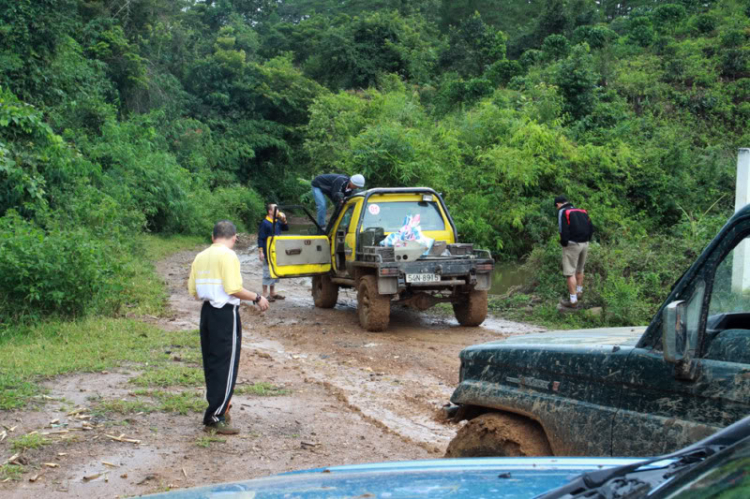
{"x":391,"y":215}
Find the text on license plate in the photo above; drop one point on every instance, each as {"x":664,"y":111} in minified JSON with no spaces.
{"x":422,"y":278}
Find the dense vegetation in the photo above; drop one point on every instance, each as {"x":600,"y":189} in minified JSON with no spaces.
{"x":124,"y":116}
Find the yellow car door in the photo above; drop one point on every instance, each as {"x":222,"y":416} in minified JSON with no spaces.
{"x":298,"y":256}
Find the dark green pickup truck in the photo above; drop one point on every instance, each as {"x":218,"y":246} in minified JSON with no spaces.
{"x":621,"y":391}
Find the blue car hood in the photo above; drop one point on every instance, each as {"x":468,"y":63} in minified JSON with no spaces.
{"x":497,"y":478}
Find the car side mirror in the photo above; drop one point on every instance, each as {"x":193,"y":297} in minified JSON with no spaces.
{"x":674,"y":332}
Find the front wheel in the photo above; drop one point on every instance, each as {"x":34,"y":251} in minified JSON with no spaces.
{"x":472,"y":310}
{"x":374,"y":309}
{"x":325,"y":292}
{"x":499,"y":435}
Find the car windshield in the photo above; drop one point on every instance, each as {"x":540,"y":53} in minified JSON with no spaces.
{"x":390,"y":215}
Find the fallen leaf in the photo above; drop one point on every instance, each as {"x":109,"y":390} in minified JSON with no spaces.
{"x":91,"y":477}
{"x":35,"y":477}
{"x":111,"y":465}
{"x":51,"y":465}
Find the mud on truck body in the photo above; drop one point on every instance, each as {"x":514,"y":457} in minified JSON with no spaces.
{"x":348,"y":255}
{"x":630,"y":391}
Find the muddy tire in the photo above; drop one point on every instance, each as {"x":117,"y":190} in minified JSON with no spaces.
{"x":325,"y":293}
{"x":473,"y":310}
{"x":374,"y":309}
{"x":501,"y":435}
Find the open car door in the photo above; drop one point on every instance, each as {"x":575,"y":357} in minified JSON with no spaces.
{"x":303,"y":252}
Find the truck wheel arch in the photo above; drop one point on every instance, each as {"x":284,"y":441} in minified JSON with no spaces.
{"x":505,"y":434}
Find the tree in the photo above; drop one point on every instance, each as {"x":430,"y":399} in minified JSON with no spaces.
{"x":356,"y":52}
{"x":667,"y":17}
{"x":555,"y":47}
{"x":577,"y":81}
{"x":472,"y":47}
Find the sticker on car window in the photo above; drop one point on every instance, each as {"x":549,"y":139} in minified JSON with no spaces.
{"x":373,"y":209}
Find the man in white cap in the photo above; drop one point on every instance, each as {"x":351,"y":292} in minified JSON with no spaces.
{"x":337,"y":188}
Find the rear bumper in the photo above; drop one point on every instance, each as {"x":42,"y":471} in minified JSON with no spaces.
{"x":453,"y":274}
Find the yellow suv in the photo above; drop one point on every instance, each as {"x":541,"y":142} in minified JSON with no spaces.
{"x":349,"y":254}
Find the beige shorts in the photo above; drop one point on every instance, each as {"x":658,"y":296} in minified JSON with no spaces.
{"x":574,"y":258}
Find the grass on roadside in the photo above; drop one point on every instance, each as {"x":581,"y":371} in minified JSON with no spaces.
{"x":30,"y":441}
{"x":144,"y":289}
{"x":124,"y":407}
{"x":174,"y":374}
{"x":159,"y":247}
{"x":262,"y":389}
{"x":11,"y":472}
{"x":177,"y":402}
{"x":180,"y":402}
{"x":206,"y":441}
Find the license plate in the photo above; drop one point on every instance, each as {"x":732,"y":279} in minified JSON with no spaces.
{"x":422,"y":278}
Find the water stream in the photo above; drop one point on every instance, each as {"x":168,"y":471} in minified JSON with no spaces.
{"x":507,"y":275}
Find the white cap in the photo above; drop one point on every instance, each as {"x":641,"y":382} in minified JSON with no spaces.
{"x":358,"y":180}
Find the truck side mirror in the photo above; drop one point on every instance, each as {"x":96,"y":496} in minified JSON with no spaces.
{"x":674,"y":332}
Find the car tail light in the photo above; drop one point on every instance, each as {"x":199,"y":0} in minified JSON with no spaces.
{"x":484,"y":267}
{"x":389,"y":271}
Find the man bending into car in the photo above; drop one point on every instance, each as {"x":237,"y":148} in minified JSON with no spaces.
{"x":337,"y":188}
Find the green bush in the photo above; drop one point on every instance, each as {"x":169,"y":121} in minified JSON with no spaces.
{"x":241,"y":205}
{"x":57,"y":272}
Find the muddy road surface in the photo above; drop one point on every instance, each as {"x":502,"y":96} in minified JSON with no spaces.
{"x":344,"y":396}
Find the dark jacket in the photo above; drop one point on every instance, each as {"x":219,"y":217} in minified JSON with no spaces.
{"x":573,"y":225}
{"x":333,"y":185}
{"x":266,"y":230}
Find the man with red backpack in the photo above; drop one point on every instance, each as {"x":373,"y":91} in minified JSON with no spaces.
{"x":575,"y":230}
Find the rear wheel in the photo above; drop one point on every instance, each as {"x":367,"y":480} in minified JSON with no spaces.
{"x":374,"y":309}
{"x":502,"y":435}
{"x":325,"y":292}
{"x":472,"y":311}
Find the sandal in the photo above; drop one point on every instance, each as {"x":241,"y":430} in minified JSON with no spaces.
{"x":270,"y":299}
{"x":278,"y":297}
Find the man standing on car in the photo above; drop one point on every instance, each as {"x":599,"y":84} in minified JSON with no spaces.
{"x":265,"y":231}
{"x":216,"y":280}
{"x":337,"y":188}
{"x":575,"y":230}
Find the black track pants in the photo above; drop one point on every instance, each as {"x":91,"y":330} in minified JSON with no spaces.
{"x":221,"y":334}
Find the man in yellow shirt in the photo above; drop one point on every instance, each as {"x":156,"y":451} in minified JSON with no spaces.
{"x":215,"y":278}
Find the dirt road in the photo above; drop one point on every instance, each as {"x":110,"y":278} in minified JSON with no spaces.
{"x":349,"y":396}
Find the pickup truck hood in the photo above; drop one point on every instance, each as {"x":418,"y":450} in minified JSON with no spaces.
{"x":584,"y":354}
{"x":623,"y":336}
{"x":500,"y":478}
